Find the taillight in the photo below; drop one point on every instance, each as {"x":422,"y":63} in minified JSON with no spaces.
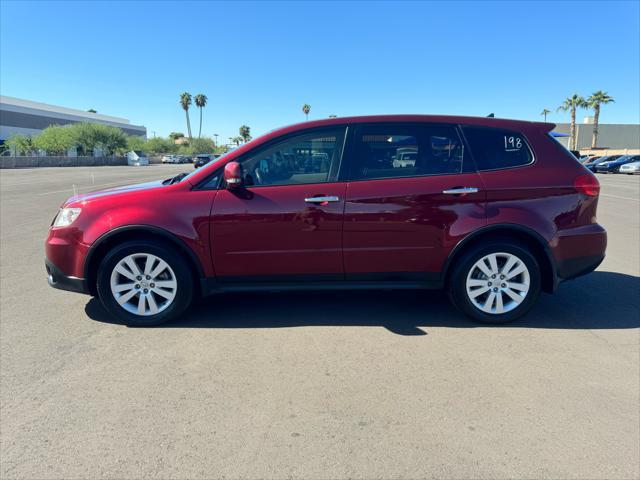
{"x":587,"y":184}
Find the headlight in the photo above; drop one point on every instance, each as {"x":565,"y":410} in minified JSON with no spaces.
{"x":66,"y":216}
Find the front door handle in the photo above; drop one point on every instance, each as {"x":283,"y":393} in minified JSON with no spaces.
{"x":460,"y":190}
{"x":324,"y":200}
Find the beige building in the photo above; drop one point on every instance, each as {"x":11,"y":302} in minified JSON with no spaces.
{"x":611,"y":136}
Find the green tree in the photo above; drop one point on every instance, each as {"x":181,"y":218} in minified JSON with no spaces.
{"x":245,"y":133}
{"x":135,"y":143}
{"x":91,"y":110}
{"x":175,"y":135}
{"x":84,"y":136}
{"x":544,"y":114}
{"x":55,"y":140}
{"x":89,"y":136}
{"x":200,"y":101}
{"x":594,"y":101}
{"x":201,"y":145}
{"x":306,"y":108}
{"x":571,"y":104}
{"x":161,"y":145}
{"x":20,"y":144}
{"x":236,"y":140}
{"x":185,"y":102}
{"x":112,"y":139}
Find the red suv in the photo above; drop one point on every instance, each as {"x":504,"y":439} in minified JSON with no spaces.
{"x":492,"y":210}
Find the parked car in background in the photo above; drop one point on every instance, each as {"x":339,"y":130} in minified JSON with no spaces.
{"x":588,"y":158}
{"x":405,"y":157}
{"x":204,"y":158}
{"x":594,"y":163}
{"x":170,"y":159}
{"x":613,"y":166}
{"x":493,"y":211}
{"x":137,"y":158}
{"x":176,"y":159}
{"x":630,"y":168}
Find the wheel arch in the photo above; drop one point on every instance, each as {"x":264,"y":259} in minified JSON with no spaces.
{"x":530,"y":238}
{"x":136,"y":232}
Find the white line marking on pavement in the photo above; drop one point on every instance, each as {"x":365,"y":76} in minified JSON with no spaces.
{"x":621,"y":198}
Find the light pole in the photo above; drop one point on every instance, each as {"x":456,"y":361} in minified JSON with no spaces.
{"x":216,"y":137}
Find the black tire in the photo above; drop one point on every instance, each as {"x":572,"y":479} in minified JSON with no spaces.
{"x":457,"y":281}
{"x":184,"y":279}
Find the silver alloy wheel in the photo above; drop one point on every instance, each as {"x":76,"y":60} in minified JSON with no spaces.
{"x":498,"y":283}
{"x":143,"y":284}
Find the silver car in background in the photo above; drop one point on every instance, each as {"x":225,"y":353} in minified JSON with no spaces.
{"x":630,"y":168}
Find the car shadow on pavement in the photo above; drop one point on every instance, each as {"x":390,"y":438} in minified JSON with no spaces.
{"x":601,"y":300}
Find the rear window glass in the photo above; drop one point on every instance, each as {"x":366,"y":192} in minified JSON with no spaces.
{"x":494,"y":148}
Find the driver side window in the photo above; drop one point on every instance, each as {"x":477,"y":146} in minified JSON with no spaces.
{"x":309,"y":158}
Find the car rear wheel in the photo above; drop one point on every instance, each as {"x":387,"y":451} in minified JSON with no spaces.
{"x":144,"y":284}
{"x":495,"y":283}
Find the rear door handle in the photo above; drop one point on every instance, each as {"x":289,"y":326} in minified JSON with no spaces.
{"x":322,"y":199}
{"x":460,"y":190}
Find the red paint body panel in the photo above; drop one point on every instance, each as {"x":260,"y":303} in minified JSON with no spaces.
{"x":408,"y":224}
{"x":377,"y":226}
{"x":273,"y":231}
{"x":174,"y":208}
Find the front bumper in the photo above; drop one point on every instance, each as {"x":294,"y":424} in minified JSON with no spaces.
{"x":59,"y":280}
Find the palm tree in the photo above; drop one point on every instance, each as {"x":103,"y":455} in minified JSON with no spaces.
{"x":185,"y":102}
{"x":306,"y":108}
{"x":594,"y":101}
{"x":200,"y":101}
{"x":544,"y":113}
{"x":236,"y":140}
{"x":245,"y":133}
{"x":571,"y":104}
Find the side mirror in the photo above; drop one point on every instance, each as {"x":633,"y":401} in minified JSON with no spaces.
{"x":233,"y":175}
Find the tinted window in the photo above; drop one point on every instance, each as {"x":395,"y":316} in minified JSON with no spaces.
{"x":309,"y":158}
{"x":384,"y":151}
{"x":494,"y":148}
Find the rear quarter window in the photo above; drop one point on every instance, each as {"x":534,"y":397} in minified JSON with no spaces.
{"x":494,"y":148}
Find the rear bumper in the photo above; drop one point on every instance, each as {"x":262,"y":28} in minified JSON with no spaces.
{"x":59,"y":280}
{"x":575,"y":267}
{"x":579,"y":251}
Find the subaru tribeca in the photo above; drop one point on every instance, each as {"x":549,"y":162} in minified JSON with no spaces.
{"x":492,"y":210}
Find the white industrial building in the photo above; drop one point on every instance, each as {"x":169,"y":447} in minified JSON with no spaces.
{"x":24,"y":117}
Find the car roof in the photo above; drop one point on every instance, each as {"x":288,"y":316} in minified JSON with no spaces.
{"x":409,"y":118}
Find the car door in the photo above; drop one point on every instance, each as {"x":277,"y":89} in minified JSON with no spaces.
{"x":286,"y":224}
{"x":413,"y":194}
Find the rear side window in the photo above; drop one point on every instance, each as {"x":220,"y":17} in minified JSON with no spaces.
{"x":396,"y":150}
{"x":494,"y":148}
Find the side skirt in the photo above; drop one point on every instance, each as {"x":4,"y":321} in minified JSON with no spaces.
{"x":210,"y":286}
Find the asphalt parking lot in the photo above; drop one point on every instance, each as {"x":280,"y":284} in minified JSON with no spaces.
{"x":315,"y":385}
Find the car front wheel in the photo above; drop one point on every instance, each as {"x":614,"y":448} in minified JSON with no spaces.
{"x":144,"y":284}
{"x":495,"y":283}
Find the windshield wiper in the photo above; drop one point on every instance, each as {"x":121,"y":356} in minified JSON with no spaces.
{"x":176,"y":179}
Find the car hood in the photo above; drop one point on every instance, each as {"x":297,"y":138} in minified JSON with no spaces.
{"x":85,"y":197}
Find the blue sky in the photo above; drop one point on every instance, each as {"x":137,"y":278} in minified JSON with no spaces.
{"x":259,"y":62}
